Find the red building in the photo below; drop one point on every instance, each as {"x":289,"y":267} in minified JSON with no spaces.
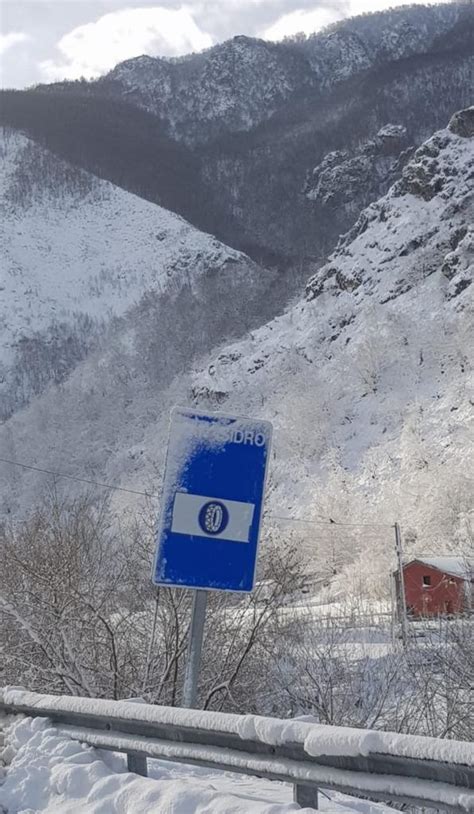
{"x":436,"y":586}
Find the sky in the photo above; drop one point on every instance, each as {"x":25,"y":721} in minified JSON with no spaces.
{"x":49,"y":40}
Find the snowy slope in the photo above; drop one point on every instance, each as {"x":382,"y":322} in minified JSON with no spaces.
{"x":374,"y":369}
{"x":79,"y":250}
{"x":368,"y":381}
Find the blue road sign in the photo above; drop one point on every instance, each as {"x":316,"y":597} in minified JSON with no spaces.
{"x":212,"y":501}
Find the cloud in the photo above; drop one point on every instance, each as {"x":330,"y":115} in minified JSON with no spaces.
{"x":306,"y":21}
{"x":8,"y":41}
{"x":92,"y":49}
{"x":55,"y":39}
{"x":363,"y":6}
{"x":310,"y":20}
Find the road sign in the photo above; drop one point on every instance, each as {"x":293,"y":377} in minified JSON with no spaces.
{"x":212,"y":501}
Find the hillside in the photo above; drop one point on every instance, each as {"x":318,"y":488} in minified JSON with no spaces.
{"x":79,"y":252}
{"x":367,"y":380}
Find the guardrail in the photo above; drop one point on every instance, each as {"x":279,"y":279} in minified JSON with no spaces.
{"x":381,"y":766}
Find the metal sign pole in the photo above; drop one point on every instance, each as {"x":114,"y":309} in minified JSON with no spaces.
{"x":151,"y":644}
{"x":196,"y":634}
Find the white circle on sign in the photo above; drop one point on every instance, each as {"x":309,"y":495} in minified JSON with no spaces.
{"x":213,"y":517}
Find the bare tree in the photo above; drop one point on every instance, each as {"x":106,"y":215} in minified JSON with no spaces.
{"x":79,"y":614}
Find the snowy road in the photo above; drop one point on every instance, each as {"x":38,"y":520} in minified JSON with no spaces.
{"x":46,"y":772}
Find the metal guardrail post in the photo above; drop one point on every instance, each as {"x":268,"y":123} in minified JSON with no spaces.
{"x":305,"y":796}
{"x":137,"y":764}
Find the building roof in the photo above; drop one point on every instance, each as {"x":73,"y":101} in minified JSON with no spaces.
{"x":456,"y":566}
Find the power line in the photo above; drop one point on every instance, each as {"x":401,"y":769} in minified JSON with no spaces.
{"x":329,"y":522}
{"x":79,"y":480}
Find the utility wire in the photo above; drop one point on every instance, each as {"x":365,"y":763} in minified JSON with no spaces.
{"x":73,"y":477}
{"x":329,"y":522}
{"x":332,"y":522}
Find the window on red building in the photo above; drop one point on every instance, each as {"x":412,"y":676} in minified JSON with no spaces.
{"x":426,"y":580}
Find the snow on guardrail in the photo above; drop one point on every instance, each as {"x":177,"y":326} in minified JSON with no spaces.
{"x":316,"y":739}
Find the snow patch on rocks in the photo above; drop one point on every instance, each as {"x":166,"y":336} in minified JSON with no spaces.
{"x":338,"y":180}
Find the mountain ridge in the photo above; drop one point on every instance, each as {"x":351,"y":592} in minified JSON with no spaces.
{"x":244,"y":182}
{"x":320,"y":61}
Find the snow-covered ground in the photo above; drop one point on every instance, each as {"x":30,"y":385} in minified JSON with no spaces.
{"x":47,"y":772}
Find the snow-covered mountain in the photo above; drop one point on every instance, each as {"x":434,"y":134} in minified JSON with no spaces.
{"x":228,"y":137}
{"x":368,"y":380}
{"x":78,"y":252}
{"x":204,"y":95}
